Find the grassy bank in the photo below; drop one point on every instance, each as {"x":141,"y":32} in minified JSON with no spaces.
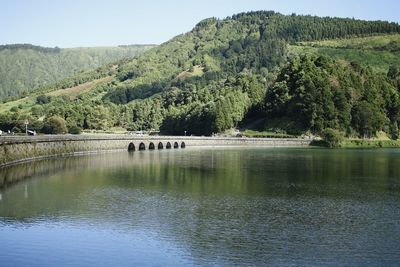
{"x":382,"y":141}
{"x":366,"y":143}
{"x":257,"y":134}
{"x":362,"y":143}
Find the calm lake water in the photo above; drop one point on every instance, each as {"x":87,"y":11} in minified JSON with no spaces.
{"x":214,"y":206}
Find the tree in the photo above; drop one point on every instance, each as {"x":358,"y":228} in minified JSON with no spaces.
{"x":393,"y":72}
{"x":54,"y":125}
{"x":43,"y":99}
{"x":37,"y":111}
{"x":331,"y":137}
{"x":277,"y":98}
{"x":367,"y":119}
{"x":394,"y":130}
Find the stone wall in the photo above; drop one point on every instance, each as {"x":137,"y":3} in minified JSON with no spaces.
{"x":16,"y":149}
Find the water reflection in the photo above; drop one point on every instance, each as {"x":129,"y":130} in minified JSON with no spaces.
{"x":26,"y":191}
{"x":209,"y":207}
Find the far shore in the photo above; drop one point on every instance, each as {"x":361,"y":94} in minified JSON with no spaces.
{"x":315,"y":141}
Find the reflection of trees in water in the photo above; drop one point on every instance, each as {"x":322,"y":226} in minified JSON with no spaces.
{"x":279,"y":173}
{"x":11,"y":174}
{"x":70,"y":182}
{"x":15,"y":173}
{"x":234,"y":171}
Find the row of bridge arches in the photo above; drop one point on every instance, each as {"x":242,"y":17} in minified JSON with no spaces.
{"x":152,"y":146}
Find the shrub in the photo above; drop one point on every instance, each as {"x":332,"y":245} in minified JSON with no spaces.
{"x":43,"y":99}
{"x":54,"y":125}
{"x":74,"y":130}
{"x":331,"y":137}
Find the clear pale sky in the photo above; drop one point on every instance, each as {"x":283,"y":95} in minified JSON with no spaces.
{"x":73,"y":23}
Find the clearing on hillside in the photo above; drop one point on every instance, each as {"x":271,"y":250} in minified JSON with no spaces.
{"x":378,"y":52}
{"x":73,"y":92}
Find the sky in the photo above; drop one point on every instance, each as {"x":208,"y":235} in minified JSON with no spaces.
{"x":82,"y":23}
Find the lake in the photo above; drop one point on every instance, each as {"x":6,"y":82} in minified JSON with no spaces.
{"x":209,"y":206}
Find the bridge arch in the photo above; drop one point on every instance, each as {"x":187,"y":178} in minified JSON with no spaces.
{"x":176,"y":145}
{"x":168,"y":146}
{"x":160,"y":145}
{"x":151,"y":146}
{"x":183,"y":145}
{"x":131,"y":147}
{"x":142,"y":146}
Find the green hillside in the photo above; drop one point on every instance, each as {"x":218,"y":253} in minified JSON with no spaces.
{"x":252,"y":67}
{"x":378,"y":52}
{"x":24,"y":67}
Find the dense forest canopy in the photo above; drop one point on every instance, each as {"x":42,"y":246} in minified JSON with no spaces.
{"x":31,"y":47}
{"x":225,"y":73}
{"x":315,"y":93}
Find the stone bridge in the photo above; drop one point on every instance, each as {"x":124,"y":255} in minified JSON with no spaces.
{"x":151,"y":144}
{"x":15,"y":149}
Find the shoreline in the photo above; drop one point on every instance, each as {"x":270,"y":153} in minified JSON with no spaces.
{"x":361,"y":144}
{"x":20,"y":149}
{"x":366,"y":143}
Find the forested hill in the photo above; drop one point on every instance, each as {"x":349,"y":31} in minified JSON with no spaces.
{"x":25,"y":66}
{"x":227,"y":72}
{"x":255,"y":42}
